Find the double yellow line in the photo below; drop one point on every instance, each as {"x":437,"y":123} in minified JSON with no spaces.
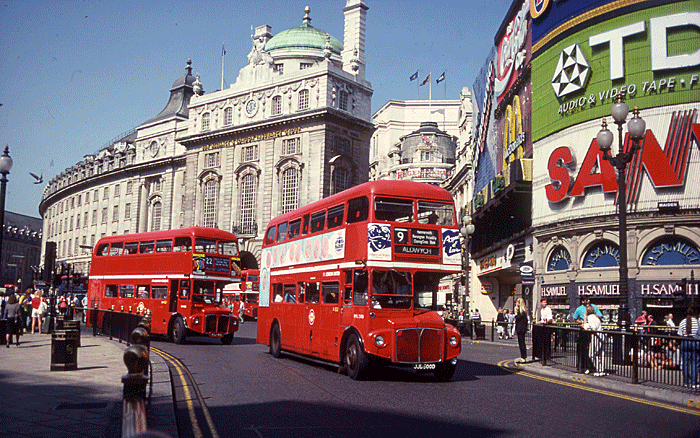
{"x":503,"y":365}
{"x":181,"y":371}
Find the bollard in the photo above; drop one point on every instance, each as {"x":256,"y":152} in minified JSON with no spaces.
{"x":134,"y":402}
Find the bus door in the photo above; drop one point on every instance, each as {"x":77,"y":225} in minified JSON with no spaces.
{"x":310,"y":320}
{"x":326,"y":339}
{"x":172,"y":308}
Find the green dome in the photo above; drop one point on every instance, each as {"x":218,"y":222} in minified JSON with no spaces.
{"x":304,"y":36}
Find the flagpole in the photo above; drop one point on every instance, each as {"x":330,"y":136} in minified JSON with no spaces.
{"x":223,"y":55}
{"x":430,"y":93}
{"x":445,"y":85}
{"x":417,"y":83}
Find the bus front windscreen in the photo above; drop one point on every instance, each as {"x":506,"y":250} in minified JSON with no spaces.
{"x":391,"y":289}
{"x":207,"y":291}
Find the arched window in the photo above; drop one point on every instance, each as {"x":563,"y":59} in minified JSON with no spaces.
{"x":228,"y":116}
{"x":209,"y":203}
{"x":672,"y":251}
{"x":559,"y":260}
{"x":248,"y":195}
{"x":603,"y":254}
{"x":155,"y":216}
{"x":304,"y":99}
{"x":205,"y":122}
{"x":276,"y":105}
{"x":290,"y":190}
{"x":341,"y":179}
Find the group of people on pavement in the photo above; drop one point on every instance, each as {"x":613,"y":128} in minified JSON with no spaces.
{"x":22,"y":312}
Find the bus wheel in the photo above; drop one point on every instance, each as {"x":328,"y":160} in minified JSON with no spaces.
{"x":355,"y":358}
{"x":444,"y":371}
{"x":177,"y":331}
{"x":227,"y":339}
{"x":275,"y":343}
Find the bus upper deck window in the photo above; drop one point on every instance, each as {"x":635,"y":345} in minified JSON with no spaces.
{"x":102,"y":249}
{"x":147,"y":247}
{"x":393,"y":209}
{"x":435,"y":213}
{"x":294,"y":229}
{"x":305,"y":226}
{"x":270,"y":236}
{"x":164,"y":245}
{"x":131,"y":247}
{"x":318,"y":221}
{"x":183,"y":244}
{"x":117,"y":248}
{"x":282,"y":232}
{"x":335,"y":216}
{"x":228,"y":248}
{"x":358,"y":210}
{"x":204,"y":245}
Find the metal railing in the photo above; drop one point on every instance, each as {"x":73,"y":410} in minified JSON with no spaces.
{"x":650,"y":355}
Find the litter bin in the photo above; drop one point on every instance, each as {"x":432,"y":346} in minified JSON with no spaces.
{"x":64,"y":350}
{"x":480,"y":331}
{"x":72,"y":325}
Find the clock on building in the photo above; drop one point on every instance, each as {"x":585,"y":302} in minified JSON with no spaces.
{"x":251,"y":108}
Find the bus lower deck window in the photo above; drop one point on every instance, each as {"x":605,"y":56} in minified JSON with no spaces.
{"x":159,"y":292}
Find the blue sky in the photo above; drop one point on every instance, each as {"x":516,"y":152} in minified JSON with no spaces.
{"x":77,"y":74}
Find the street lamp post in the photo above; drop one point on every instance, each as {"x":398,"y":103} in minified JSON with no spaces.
{"x":5,"y":167}
{"x":466,"y":231}
{"x":636,"y":129}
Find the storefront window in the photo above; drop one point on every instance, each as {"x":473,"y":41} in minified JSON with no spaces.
{"x":671,"y":251}
{"x":603,"y":254}
{"x":560,"y":260}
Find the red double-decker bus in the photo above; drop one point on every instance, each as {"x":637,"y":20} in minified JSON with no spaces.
{"x":179,"y":275}
{"x":247,"y":291}
{"x":353,"y":279}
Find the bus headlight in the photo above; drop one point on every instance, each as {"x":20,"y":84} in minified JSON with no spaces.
{"x":379,"y":341}
{"x":196,"y":320}
{"x":453,"y":341}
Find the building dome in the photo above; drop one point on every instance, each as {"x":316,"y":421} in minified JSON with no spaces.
{"x":303,"y":37}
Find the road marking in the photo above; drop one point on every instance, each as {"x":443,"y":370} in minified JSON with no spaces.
{"x":179,"y":366}
{"x":582,"y":386}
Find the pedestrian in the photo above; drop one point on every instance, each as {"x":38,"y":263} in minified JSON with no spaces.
{"x":12,"y":314}
{"x":669,"y":320}
{"x":584,"y":338}
{"x":597,"y":345}
{"x":544,"y":333}
{"x":476,"y":316}
{"x":510,"y":329}
{"x":26,"y":302}
{"x":241,"y":311}
{"x":38,"y":305}
{"x":689,"y":328}
{"x":521,"y":322}
{"x":63,"y":306}
{"x":500,"y":323}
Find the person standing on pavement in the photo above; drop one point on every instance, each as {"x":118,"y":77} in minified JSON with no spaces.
{"x":37,"y":311}
{"x":12,"y":313}
{"x":546,"y":317}
{"x":510,"y":328}
{"x":689,"y":328}
{"x":521,"y":322}
{"x":500,"y":323}
{"x":584,"y":338}
{"x":597,"y":346}
{"x":669,"y":320}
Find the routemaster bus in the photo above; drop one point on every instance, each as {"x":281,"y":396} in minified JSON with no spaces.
{"x":353,"y":279}
{"x":246,"y":291}
{"x":178,"y":275}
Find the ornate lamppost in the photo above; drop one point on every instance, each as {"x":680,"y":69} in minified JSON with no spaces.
{"x":5,"y":167}
{"x":636,"y":128}
{"x":466,"y":231}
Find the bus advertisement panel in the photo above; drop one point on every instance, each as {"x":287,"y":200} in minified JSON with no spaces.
{"x":178,"y":275}
{"x":353,"y":279}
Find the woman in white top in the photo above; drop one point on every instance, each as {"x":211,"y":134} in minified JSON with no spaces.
{"x":597,"y":346}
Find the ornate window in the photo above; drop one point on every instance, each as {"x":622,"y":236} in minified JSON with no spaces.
{"x":671,"y":251}
{"x":276,"y":105}
{"x":559,"y":260}
{"x":248,"y":195}
{"x":249,"y":153}
{"x":228,"y":116}
{"x":291,"y":146}
{"x":342,"y":146}
{"x":156,"y":209}
{"x":209,"y":203}
{"x":205,"y":121}
{"x":343,"y":100}
{"x":603,"y":254}
{"x":211,"y":160}
{"x":290,"y":190}
{"x":341,"y":179}
{"x":304,"y":99}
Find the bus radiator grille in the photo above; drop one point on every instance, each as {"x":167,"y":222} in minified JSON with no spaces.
{"x":418,"y":345}
{"x":223,"y":324}
{"x":210,"y":324}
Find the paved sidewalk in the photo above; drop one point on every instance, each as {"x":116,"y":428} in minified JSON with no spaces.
{"x":647,"y":392}
{"x":87,"y":402}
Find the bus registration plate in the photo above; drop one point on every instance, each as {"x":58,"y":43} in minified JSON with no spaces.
{"x":424,"y":366}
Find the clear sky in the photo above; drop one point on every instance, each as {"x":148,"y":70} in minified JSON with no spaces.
{"x":79,"y":73}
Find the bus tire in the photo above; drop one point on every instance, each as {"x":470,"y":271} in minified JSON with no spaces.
{"x":275,"y":341}
{"x":356,"y":361}
{"x":444,"y":371}
{"x":227,"y":339}
{"x":177,"y":331}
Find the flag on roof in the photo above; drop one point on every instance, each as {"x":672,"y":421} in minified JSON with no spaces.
{"x":414,"y":76}
{"x":441,"y":78}
{"x":425,"y":81}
